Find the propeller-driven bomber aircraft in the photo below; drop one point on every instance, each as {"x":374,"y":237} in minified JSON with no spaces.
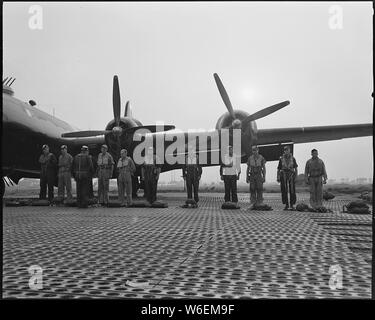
{"x":26,"y":129}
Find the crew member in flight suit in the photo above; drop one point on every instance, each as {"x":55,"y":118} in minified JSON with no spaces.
{"x":191,"y":172}
{"x":286,"y":175}
{"x":315,"y":176}
{"x":64,"y":174}
{"x":82,"y":170}
{"x":48,"y":163}
{"x":126,"y":169}
{"x":105,"y":171}
{"x":256,"y":176}
{"x":91,"y":184}
{"x":230,"y":171}
{"x":150,"y":174}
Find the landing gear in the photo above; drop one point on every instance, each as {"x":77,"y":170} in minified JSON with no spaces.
{"x":9,"y":182}
{"x":2,"y":187}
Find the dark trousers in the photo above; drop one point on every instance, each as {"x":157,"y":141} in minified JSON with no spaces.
{"x":151,"y":185}
{"x":287,"y":184}
{"x":192,"y":183}
{"x":83,"y":189}
{"x":91,"y":189}
{"x":230,"y":183}
{"x":46,"y":181}
{"x":135,"y":186}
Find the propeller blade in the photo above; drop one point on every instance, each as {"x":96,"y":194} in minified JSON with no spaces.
{"x":224,"y":95}
{"x":116,"y":101}
{"x":85,"y":134}
{"x":151,"y":128}
{"x":128,"y":111}
{"x":265,"y":112}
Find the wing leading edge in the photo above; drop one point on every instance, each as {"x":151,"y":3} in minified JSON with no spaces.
{"x":313,"y":134}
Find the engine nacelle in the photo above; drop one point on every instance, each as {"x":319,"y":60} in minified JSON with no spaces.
{"x":249,"y":132}
{"x":125,"y":123}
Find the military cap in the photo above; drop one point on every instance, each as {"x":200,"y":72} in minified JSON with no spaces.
{"x":44,"y":146}
{"x":84,"y":148}
{"x":105,"y":146}
{"x":64,"y":146}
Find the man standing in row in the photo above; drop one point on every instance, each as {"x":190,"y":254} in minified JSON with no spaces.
{"x":105,"y":171}
{"x":126,"y":169}
{"x":230,"y":171}
{"x":315,"y":176}
{"x":82,"y":172}
{"x":150,"y":175}
{"x":64,"y":174}
{"x":191,"y":172}
{"x":256,"y":176}
{"x":48,"y":163}
{"x":286,"y":176}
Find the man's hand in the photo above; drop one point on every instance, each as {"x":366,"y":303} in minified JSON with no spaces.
{"x":247,"y":180}
{"x":264,"y":179}
{"x":278,"y":180}
{"x":238,"y":177}
{"x":222,"y":177}
{"x":324,"y":181}
{"x":307,"y":181}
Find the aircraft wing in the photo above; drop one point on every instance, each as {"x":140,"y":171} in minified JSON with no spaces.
{"x":271,"y":141}
{"x":313,"y":134}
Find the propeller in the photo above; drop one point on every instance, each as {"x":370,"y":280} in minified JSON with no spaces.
{"x":128,"y":112}
{"x":116,"y":130}
{"x":116,"y":101}
{"x":237,"y":123}
{"x":85,"y":134}
{"x":265,"y":112}
{"x":224,"y":95}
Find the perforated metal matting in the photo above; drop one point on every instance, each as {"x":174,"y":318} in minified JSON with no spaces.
{"x":185,"y":253}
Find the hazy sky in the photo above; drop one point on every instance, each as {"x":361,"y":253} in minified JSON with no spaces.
{"x":165,"y":55}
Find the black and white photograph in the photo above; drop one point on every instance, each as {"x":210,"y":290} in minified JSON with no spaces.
{"x":187,"y":151}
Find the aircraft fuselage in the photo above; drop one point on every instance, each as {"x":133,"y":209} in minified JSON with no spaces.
{"x":25,"y":130}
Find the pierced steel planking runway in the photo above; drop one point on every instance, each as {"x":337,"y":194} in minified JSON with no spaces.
{"x":186,"y":253}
